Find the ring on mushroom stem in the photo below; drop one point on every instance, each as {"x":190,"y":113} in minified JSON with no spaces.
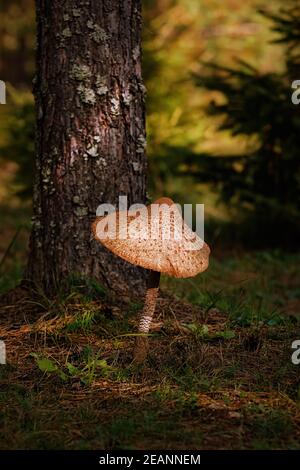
{"x":150,"y":240}
{"x":142,"y":343}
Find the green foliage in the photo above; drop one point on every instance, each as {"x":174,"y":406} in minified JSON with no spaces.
{"x":264,"y":180}
{"x":47,"y":365}
{"x":17,"y":143}
{"x":269,"y":424}
{"x":88,"y":288}
{"x":177,"y":33}
{"x":287,"y":24}
{"x":251,"y":288}
{"x":83,"y":321}
{"x":202,"y":331}
{"x":12,"y":278}
{"x":17,"y":41}
{"x":86,"y":372}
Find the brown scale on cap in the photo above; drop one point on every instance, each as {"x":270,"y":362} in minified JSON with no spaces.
{"x":158,"y":239}
{"x":174,"y":249}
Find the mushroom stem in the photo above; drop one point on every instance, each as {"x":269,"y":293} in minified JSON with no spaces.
{"x":142,"y":344}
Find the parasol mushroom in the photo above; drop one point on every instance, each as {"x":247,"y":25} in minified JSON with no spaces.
{"x":159,"y":240}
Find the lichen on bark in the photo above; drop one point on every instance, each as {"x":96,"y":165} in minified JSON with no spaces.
{"x":90,"y":136}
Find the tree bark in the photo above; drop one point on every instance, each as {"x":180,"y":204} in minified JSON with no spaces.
{"x":90,"y":136}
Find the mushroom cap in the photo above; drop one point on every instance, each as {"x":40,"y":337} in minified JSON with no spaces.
{"x":154,"y":237}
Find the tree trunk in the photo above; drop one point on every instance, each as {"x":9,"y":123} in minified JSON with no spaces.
{"x":90,"y":136}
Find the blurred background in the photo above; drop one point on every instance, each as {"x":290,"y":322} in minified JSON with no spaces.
{"x":222,"y":129}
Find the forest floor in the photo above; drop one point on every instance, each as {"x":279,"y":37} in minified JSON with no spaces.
{"x":219,"y":373}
